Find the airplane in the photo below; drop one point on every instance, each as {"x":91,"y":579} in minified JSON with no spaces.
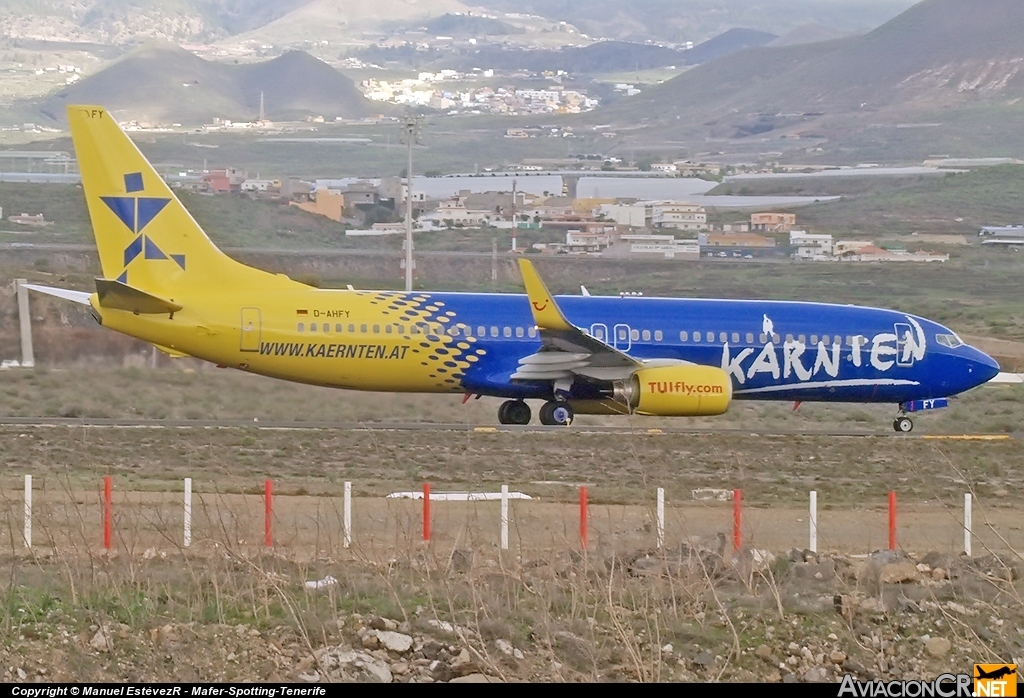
{"x":165,"y":282}
{"x":999,"y":673}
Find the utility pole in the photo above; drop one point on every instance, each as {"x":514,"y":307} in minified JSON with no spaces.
{"x":411,"y":129}
{"x":494,"y":261}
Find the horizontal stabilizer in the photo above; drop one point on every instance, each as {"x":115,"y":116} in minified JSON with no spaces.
{"x":68,"y":295}
{"x":118,"y":296}
{"x":1011,"y":378}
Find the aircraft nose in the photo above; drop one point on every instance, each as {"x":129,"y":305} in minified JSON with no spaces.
{"x":982,"y":367}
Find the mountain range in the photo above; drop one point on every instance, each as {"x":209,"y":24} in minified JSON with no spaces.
{"x":163,"y":84}
{"x":291,"y":22}
{"x":920,"y":70}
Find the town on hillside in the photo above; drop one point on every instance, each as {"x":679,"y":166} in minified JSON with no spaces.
{"x":611,"y":227}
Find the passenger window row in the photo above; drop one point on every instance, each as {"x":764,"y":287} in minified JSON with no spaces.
{"x":763,"y":338}
{"x":507,"y":332}
{"x":421,"y":328}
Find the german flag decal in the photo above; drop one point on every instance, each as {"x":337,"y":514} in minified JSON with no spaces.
{"x":302,"y":312}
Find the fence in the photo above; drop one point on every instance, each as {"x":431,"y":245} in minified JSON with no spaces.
{"x":134,"y":520}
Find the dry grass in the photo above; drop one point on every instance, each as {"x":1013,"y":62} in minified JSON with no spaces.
{"x":227,"y":609}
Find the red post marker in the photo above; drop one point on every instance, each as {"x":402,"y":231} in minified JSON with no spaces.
{"x":583,"y":517}
{"x":737,"y":519}
{"x":107,"y":512}
{"x":892,"y":521}
{"x":268,"y":514}
{"x":426,"y":511}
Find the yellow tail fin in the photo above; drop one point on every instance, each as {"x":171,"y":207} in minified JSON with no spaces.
{"x":146,"y":238}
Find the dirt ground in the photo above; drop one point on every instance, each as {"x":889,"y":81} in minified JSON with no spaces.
{"x":229,"y":609}
{"x":393,"y":608}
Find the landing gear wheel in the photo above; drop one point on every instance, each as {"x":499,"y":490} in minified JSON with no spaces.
{"x":514,"y":412}
{"x":503,"y":412}
{"x":903,"y":425}
{"x":556,"y":414}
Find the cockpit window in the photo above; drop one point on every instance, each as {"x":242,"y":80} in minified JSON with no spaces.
{"x":948,"y":340}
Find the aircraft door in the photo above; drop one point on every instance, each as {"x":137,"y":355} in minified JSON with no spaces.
{"x":621,"y":338}
{"x":599,"y":331}
{"x":905,"y":344}
{"x":250,"y":340}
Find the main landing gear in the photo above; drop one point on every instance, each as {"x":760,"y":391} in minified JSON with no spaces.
{"x":553,"y":414}
{"x":514,"y":412}
{"x":556,"y":414}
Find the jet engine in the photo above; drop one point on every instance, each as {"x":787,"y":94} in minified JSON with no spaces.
{"x":676,"y":391}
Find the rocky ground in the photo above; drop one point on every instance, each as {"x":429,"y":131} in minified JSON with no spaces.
{"x":691,"y":614}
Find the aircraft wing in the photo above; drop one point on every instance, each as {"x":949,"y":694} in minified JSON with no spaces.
{"x":567,"y":350}
{"x":75,"y":296}
{"x":1010,"y":378}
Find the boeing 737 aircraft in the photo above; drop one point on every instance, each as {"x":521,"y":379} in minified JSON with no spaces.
{"x":165,"y":282}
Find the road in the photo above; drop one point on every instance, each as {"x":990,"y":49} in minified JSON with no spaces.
{"x":461,"y":427}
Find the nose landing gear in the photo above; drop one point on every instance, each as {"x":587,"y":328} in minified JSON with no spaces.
{"x":902,"y":423}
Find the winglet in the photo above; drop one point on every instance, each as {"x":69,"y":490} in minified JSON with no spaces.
{"x":546,"y":314}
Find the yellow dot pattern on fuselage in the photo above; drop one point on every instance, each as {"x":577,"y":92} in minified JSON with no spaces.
{"x":443,"y":356}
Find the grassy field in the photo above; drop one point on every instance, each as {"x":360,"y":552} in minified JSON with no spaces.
{"x":898,"y":206}
{"x":619,"y":468}
{"x":622,"y":467}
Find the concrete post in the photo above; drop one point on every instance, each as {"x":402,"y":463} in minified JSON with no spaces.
{"x":28,"y":358}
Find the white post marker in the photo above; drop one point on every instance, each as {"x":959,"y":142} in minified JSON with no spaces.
{"x":967,"y":524}
{"x":28,"y":511}
{"x":661,"y":516}
{"x":347,"y":516}
{"x":813,"y":547}
{"x":188,"y":512}
{"x":504,"y":517}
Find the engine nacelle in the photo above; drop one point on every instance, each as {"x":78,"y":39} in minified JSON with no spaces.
{"x":677,"y":391}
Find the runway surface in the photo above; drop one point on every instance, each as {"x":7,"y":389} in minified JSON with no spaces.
{"x":462,"y":427}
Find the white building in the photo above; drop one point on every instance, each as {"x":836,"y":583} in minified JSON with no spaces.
{"x":814,"y":246}
{"x":455,"y":211}
{"x":673,"y":214}
{"x":633,"y":215}
{"x":260,"y":184}
{"x":667,"y":246}
{"x":580,"y":241}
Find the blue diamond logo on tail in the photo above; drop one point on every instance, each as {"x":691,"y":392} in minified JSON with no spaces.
{"x":152,"y":251}
{"x":133,"y":182}
{"x":136,"y":212}
{"x":148,"y":208}
{"x":133,"y":250}
{"x":123,"y":207}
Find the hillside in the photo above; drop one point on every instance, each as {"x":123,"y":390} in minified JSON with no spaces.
{"x":697,"y":20}
{"x":331,"y":20}
{"x":163,"y":84}
{"x":130,"y":21}
{"x":601,"y":57}
{"x":725,"y":43}
{"x":807,"y":34}
{"x":926,"y":65}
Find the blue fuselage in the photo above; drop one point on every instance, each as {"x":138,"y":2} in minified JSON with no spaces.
{"x":773,"y":350}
